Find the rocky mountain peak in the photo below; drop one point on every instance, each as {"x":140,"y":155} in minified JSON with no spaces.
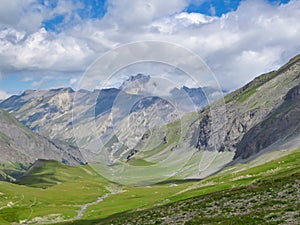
{"x":135,"y":84}
{"x":141,"y":77}
{"x":28,"y":92}
{"x":63,"y":90}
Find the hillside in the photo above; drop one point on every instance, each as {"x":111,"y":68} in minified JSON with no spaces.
{"x":264,"y":191}
{"x":270,"y":201}
{"x":257,"y":118}
{"x":269,"y":97}
{"x":20,"y":147}
{"x":281,"y":124}
{"x":269,"y":185}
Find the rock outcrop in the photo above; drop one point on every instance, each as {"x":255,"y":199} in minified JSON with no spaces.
{"x":257,"y":115}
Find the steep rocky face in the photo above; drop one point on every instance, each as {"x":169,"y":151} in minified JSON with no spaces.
{"x":281,"y":124}
{"x":237,"y":127}
{"x":258,"y":114}
{"x":18,"y":144}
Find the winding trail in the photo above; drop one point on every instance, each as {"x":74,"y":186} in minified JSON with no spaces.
{"x":85,"y":206}
{"x":80,"y":213}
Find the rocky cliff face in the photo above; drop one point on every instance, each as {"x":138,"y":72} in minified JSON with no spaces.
{"x":281,"y":124}
{"x":259,"y":114}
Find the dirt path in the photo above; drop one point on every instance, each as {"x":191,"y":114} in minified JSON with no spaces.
{"x":85,"y":206}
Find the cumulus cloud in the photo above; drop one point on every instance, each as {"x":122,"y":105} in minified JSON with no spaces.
{"x":140,"y":13}
{"x":237,"y":46}
{"x":43,"y":50}
{"x":23,"y":14}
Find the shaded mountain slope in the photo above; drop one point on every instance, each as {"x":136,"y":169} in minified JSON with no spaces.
{"x":281,"y":124}
{"x":20,"y":146}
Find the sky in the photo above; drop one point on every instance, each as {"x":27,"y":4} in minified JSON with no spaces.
{"x":49,"y":44}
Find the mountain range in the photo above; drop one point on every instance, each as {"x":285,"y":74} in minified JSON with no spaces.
{"x":54,"y":113}
{"x":242,"y":122}
{"x":245,"y":145}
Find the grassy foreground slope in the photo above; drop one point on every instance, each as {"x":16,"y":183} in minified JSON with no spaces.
{"x":252,"y":193}
{"x":270,"y":201}
{"x":54,"y":193}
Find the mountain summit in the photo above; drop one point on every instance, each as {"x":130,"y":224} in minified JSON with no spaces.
{"x":135,"y":84}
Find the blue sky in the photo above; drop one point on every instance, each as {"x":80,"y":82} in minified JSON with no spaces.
{"x":47,"y":44}
{"x":13,"y":84}
{"x":91,"y":9}
{"x":16,"y":84}
{"x":217,"y":7}
{"x":95,"y":9}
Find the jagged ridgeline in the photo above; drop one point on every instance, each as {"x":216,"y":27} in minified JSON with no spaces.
{"x":49,"y":112}
{"x":261,"y":116}
{"x":52,"y":114}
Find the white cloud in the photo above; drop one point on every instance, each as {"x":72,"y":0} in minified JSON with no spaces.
{"x":23,"y":14}
{"x":138,"y":12}
{"x":44,"y":51}
{"x":240,"y":45}
{"x":27,"y":78}
{"x":4,"y":95}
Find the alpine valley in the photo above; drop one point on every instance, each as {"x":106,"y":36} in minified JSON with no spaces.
{"x":242,"y":151}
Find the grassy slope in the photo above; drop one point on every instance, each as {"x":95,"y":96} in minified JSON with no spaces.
{"x":267,"y":193}
{"x":270,"y":201}
{"x":9,"y":170}
{"x":68,"y":188}
{"x":56,"y":191}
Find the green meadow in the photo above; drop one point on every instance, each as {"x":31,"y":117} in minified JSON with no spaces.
{"x":54,"y":193}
